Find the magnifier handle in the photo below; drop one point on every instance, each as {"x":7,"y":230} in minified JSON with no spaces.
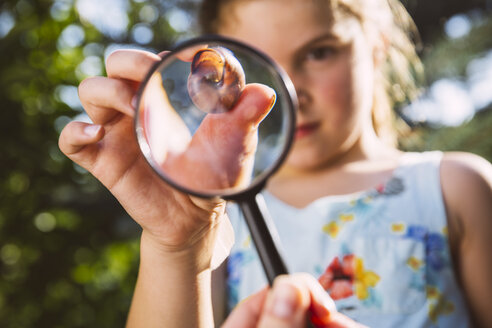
{"x":264,"y":235}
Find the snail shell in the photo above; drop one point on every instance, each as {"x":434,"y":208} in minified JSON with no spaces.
{"x":216,"y":80}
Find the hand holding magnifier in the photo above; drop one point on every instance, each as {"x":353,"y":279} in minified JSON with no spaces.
{"x":215,"y":119}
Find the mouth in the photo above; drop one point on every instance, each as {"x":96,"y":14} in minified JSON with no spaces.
{"x":306,"y":129}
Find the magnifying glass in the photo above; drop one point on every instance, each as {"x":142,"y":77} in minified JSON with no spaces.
{"x":216,"y":118}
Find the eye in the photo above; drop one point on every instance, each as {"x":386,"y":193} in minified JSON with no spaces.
{"x":320,"y":53}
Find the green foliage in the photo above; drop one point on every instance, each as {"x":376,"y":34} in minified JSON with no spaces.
{"x":68,"y":252}
{"x":449,"y":58}
{"x":474,"y":136}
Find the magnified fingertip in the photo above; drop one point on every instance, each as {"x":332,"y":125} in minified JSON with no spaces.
{"x":265,"y":94}
{"x":255,"y":102}
{"x":270,"y":92}
{"x":273,"y":98}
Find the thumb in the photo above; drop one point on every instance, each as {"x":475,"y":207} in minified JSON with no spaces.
{"x":253,"y":105}
{"x":227,"y":141}
{"x":251,"y":108}
{"x":286,"y":306}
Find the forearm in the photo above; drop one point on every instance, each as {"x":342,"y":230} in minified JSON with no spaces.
{"x":173,"y":290}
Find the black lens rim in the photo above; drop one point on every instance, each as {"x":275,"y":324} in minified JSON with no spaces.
{"x":292,"y":104}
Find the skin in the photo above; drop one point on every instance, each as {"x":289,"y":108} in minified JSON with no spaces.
{"x":343,"y":155}
{"x":285,"y":306}
{"x":332,"y":65}
{"x":180,"y":234}
{"x":336,"y":151}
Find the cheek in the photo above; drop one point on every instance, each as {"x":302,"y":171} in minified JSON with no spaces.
{"x":346,"y":90}
{"x":336,"y":93}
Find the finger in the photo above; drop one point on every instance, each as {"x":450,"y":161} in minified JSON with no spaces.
{"x":185,"y":54}
{"x":188,"y":53}
{"x":322,"y":305}
{"x":247,"y":313}
{"x":78,"y":142}
{"x":322,"y":310}
{"x":338,"y":320}
{"x":164,"y":128}
{"x":130,"y":65}
{"x":231,"y":158}
{"x":286,"y":305}
{"x":252,"y":107}
{"x":103,"y":98}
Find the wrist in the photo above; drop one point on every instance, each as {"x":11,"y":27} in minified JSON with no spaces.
{"x":194,"y":257}
{"x":180,"y":282}
{"x":194,"y":248}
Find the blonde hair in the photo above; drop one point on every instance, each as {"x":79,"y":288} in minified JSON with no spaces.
{"x":400,"y":74}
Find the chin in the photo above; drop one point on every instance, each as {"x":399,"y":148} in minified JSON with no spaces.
{"x":300,"y":161}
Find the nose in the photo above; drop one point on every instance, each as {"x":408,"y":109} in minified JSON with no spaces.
{"x":299,"y":79}
{"x":301,"y":85}
{"x":303,"y":98}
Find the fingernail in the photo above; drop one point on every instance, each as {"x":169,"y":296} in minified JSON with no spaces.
{"x":321,"y":313}
{"x":92,"y":130}
{"x":274,"y":99}
{"x":285,"y":299}
{"x":134,"y":102}
{"x":321,"y":318}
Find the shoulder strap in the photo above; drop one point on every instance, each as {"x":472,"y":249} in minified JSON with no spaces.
{"x":421,"y":171}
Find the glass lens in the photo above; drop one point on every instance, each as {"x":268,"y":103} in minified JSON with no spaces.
{"x":215,"y":117}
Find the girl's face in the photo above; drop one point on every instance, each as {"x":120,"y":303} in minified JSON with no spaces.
{"x":330,"y":63}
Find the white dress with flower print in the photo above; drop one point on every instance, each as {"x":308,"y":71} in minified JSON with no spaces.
{"x":382,"y":254}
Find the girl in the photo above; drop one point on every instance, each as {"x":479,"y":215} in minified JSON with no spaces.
{"x":396,"y":239}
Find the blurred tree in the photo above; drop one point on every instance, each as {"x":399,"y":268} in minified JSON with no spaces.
{"x":464,"y":59}
{"x":474,"y":136}
{"x":430,"y":15}
{"x":68,"y":252}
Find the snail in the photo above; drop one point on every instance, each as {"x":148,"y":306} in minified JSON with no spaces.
{"x":216,"y":80}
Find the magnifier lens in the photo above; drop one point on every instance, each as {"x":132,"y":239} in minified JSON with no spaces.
{"x":215,"y":117}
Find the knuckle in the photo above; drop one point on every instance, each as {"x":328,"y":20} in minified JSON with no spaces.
{"x":306,"y":276}
{"x":63,"y":140}
{"x":143,"y":60}
{"x":84,"y":88}
{"x":114,"y":56}
{"x":130,"y":63}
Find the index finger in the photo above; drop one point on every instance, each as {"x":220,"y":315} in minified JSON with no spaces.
{"x":187,"y":54}
{"x":130,"y":64}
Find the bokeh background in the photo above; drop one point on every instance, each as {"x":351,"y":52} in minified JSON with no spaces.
{"x":68,"y":252}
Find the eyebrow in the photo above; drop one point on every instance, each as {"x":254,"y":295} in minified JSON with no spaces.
{"x":323,"y":37}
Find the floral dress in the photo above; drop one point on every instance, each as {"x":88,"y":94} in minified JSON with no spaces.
{"x":381,"y":254}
